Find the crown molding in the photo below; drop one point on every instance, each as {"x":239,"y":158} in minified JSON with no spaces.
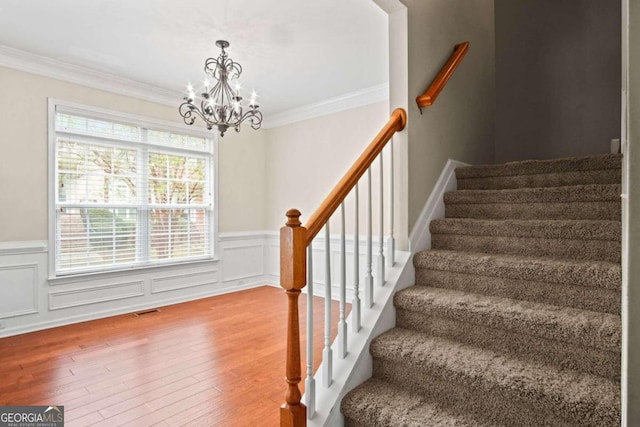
{"x":47,"y":67}
{"x":52,"y":68}
{"x":344,"y":102}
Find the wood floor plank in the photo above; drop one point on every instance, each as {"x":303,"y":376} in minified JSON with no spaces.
{"x":191,"y":364}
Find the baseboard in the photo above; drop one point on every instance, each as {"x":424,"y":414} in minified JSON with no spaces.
{"x":420,"y":237}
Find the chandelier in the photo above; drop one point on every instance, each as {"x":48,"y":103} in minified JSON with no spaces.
{"x":219,"y":104}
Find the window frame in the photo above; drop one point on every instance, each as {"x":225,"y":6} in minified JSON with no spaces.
{"x":67,"y":107}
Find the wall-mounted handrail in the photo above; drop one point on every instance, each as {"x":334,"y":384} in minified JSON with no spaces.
{"x":316,"y":221}
{"x":294,"y":243}
{"x":431,"y":94}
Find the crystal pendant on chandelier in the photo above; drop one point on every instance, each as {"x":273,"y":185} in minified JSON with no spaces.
{"x":220,"y":105}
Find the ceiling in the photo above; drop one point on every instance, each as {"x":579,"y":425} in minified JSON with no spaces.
{"x":293,"y":52}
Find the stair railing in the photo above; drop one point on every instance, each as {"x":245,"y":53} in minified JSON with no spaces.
{"x":296,"y":271}
{"x":431,"y":94}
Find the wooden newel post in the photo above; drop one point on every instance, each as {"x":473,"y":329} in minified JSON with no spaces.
{"x":293,"y":276}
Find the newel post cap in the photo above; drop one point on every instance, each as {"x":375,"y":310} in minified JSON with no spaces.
{"x":293,"y":218}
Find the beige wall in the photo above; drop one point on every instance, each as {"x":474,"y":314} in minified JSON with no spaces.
{"x":633,"y":266}
{"x":242,"y":187}
{"x":460,"y":124}
{"x":306,"y":159}
{"x":23,"y":155}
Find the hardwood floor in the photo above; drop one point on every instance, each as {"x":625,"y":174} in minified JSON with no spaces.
{"x":213,"y":362}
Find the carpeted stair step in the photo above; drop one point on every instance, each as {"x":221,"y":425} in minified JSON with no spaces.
{"x":508,"y":390}
{"x":368,"y":406}
{"x":594,"y":201}
{"x":567,"y":337}
{"x":602,"y":169}
{"x":588,"y":285}
{"x":571,"y":239}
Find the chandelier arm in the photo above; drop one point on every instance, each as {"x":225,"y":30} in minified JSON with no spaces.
{"x":189,"y":111}
{"x":255,"y":118}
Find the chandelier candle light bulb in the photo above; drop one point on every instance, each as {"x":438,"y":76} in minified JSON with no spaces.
{"x":220,"y":105}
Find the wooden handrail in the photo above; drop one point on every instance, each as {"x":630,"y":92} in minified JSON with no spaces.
{"x":318,"y":219}
{"x":431,"y":94}
{"x":294,"y":239}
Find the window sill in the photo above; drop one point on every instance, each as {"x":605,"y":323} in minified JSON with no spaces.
{"x":72,"y":278}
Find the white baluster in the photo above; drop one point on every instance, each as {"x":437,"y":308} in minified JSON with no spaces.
{"x":380,"y":272}
{"x":391,"y":241}
{"x":355,"y":303}
{"x":310,"y":382}
{"x":327,"y":354}
{"x":342,"y":325}
{"x":368,"y":278}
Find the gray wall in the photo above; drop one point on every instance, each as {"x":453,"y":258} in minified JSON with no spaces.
{"x":460,"y":123}
{"x":631,"y":274}
{"x":557,"y":78}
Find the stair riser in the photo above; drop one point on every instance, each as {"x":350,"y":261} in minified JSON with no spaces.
{"x":598,"y":362}
{"x":586,"y":298}
{"x":582,"y":164}
{"x":596,"y":250}
{"x":606,"y":176}
{"x":578,"y":210}
{"x":562,"y":272}
{"x":564,"y":325}
{"x":509,"y":406}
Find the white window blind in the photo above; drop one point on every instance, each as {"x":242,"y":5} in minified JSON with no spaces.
{"x":128,"y":195}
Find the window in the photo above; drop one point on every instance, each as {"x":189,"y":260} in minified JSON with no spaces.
{"x":128,"y":192}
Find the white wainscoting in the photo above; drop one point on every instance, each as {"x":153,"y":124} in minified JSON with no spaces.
{"x":29,"y":301}
{"x":319,"y":257}
{"x":19,"y":289}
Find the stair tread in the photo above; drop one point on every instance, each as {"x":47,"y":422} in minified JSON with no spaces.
{"x":566,"y":194}
{"x":515,"y":314}
{"x":575,"y":393}
{"x":605,"y":230}
{"x":530,"y":167}
{"x":369,"y":405}
{"x":603,"y":274}
{"x":564,"y":324}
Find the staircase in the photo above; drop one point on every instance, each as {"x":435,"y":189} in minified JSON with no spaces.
{"x":514,"y":319}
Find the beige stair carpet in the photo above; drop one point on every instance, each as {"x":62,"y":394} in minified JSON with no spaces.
{"x":514,"y":319}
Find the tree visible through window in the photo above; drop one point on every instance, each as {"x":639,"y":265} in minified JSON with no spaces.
{"x":127,"y":195}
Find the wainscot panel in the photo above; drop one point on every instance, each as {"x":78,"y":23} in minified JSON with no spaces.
{"x":30,"y":301}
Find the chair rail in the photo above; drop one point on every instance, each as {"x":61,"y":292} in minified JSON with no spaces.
{"x":431,"y":94}
{"x":294,"y":240}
